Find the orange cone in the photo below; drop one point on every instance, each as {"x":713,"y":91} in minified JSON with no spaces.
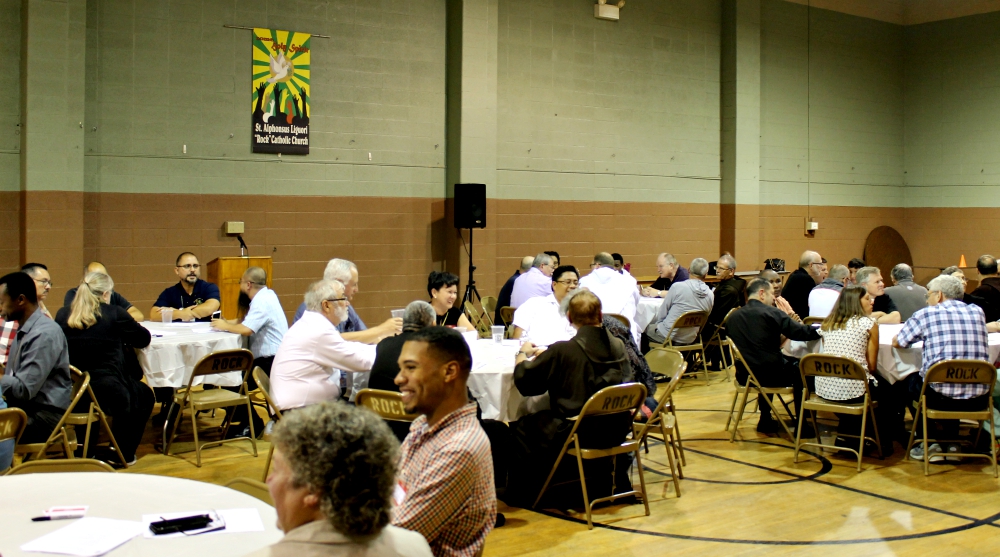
{"x":961,"y":261}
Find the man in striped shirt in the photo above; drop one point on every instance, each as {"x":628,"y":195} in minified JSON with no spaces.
{"x":445,"y":485}
{"x":950,"y":330}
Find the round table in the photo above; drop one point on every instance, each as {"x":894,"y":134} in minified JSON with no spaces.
{"x":127,"y":497}
{"x":645,"y":311}
{"x":893,"y":363}
{"x":170,"y":358}
{"x":492,"y":382}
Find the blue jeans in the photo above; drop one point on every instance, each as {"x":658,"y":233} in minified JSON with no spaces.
{"x":6,"y":447}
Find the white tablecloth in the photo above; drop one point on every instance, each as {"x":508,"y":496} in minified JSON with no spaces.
{"x":646,"y":310}
{"x":893,"y":363}
{"x":127,"y":497}
{"x":170,"y":358}
{"x":492,"y":382}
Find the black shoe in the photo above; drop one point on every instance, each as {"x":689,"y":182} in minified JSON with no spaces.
{"x":768,"y":427}
{"x":501,"y":520}
{"x":109,"y":456}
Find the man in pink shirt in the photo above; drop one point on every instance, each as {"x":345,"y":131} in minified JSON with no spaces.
{"x":536,"y":282}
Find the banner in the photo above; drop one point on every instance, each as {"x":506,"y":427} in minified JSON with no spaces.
{"x":281,"y":92}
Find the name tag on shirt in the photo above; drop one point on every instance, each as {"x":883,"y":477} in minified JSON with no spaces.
{"x":399,"y":494}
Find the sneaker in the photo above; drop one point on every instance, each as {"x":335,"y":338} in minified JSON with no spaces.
{"x":917,"y":452}
{"x":952,"y":448}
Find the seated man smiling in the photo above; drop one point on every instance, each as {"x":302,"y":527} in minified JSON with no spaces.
{"x":335,"y":497}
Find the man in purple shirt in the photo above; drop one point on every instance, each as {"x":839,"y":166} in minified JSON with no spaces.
{"x":536,"y":282}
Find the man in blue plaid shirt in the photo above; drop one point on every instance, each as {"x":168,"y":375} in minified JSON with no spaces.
{"x":950,"y":330}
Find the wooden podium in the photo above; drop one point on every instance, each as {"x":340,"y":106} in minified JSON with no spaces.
{"x":226,"y":272}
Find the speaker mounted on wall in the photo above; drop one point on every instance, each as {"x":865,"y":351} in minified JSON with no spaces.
{"x":470,"y":205}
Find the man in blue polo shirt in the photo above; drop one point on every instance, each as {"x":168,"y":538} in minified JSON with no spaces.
{"x":192,"y":299}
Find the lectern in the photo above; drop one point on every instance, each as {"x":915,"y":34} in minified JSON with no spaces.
{"x":226,"y":272}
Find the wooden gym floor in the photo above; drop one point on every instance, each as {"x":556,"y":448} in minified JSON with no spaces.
{"x":743,"y":498}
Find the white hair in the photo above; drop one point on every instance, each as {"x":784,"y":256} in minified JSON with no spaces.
{"x":339,"y":269}
{"x":727,"y":260}
{"x":323,"y":290}
{"x":699,"y":267}
{"x":949,"y":287}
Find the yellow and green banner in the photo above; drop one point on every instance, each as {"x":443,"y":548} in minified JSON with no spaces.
{"x":281,"y":92}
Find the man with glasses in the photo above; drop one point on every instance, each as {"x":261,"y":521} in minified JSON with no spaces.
{"x":729,"y":294}
{"x":43,"y":284}
{"x":801,"y":282}
{"x":536,"y":282}
{"x":538,"y":319}
{"x":668,"y":272}
{"x":192,"y":299}
{"x":312,"y":355}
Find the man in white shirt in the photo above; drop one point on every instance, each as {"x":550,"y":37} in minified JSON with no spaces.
{"x":618,"y":294}
{"x":538,"y":319}
{"x":311,"y":357}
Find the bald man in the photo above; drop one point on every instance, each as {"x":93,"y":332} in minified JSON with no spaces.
{"x":116,"y":298}
{"x":503,"y":298}
{"x":801,"y":282}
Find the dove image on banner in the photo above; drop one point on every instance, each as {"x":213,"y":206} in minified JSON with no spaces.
{"x":281,"y":92}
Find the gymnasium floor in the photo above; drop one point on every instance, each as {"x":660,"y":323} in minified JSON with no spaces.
{"x":743,"y":498}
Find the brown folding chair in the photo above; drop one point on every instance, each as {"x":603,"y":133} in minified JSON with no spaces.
{"x":387,"y":404}
{"x":92,"y":415}
{"x":56,"y":466}
{"x":671,"y":363}
{"x":489,"y":308}
{"x":477,"y":321}
{"x":621,"y":319}
{"x":186,"y":398}
{"x":507,"y":316}
{"x":716,"y":340}
{"x":61,"y":433}
{"x":813,"y":320}
{"x":253,"y":488}
{"x":688,"y":320}
{"x":627,"y":397}
{"x":12,"y":424}
{"x":754,"y":385}
{"x":970,"y":372}
{"x":825,"y":365}
{"x":264,"y":390}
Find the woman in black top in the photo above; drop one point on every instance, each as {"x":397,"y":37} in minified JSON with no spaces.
{"x":95,"y":331}
{"x":443,"y":288}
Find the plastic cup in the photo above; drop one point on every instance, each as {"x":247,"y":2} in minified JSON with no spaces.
{"x":167,"y":315}
{"x":398,"y":313}
{"x":497,"y":334}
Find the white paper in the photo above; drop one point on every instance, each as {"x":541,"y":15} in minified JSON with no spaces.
{"x":86,"y":537}
{"x":237,"y":520}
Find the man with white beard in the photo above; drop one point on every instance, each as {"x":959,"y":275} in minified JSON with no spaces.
{"x":312,"y":355}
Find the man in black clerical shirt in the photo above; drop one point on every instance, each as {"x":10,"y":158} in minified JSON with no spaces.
{"x":989,"y":287}
{"x":669,"y":271}
{"x":116,"y":298}
{"x":192,"y":299}
{"x":729,"y":295}
{"x":757,"y":331}
{"x":503,"y":298}
{"x":801,"y":282}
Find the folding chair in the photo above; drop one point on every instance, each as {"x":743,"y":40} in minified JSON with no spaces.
{"x":957,"y":371}
{"x":489,"y":308}
{"x":477,"y":321}
{"x":663,"y":361}
{"x":672,"y":363}
{"x":507,"y":316}
{"x":387,"y":404}
{"x":813,"y":320}
{"x":92,"y":415}
{"x":264,"y":389}
{"x":717,"y":339}
{"x":186,"y":398}
{"x":12,"y":424}
{"x":754,"y":385}
{"x":62,"y":433}
{"x":824,"y":365}
{"x":57,"y":466}
{"x":253,"y":488}
{"x":688,"y":320}
{"x":616,"y":399}
{"x":621,"y":319}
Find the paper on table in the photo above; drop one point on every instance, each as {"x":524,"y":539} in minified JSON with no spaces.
{"x":164,"y":333}
{"x":86,"y":537}
{"x":237,"y":520}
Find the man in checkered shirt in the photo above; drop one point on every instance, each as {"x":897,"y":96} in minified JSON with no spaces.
{"x":445,"y":485}
{"x":950,"y":330}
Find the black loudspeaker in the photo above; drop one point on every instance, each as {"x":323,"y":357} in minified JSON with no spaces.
{"x":470,"y":205}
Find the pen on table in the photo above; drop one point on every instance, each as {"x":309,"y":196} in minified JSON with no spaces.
{"x":59,"y":517}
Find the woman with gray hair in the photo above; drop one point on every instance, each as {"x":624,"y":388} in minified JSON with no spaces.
{"x":332,"y":484}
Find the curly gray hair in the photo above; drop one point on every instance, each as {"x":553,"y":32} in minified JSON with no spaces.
{"x":347,"y":456}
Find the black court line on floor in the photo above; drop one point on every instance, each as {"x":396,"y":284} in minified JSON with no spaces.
{"x":826,"y":468}
{"x":973,"y":522}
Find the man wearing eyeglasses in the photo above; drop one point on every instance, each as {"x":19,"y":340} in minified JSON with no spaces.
{"x":801,"y":282}
{"x":533,"y":283}
{"x":313,"y":354}
{"x":43,"y":284}
{"x":538,"y":319}
{"x":192,"y":299}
